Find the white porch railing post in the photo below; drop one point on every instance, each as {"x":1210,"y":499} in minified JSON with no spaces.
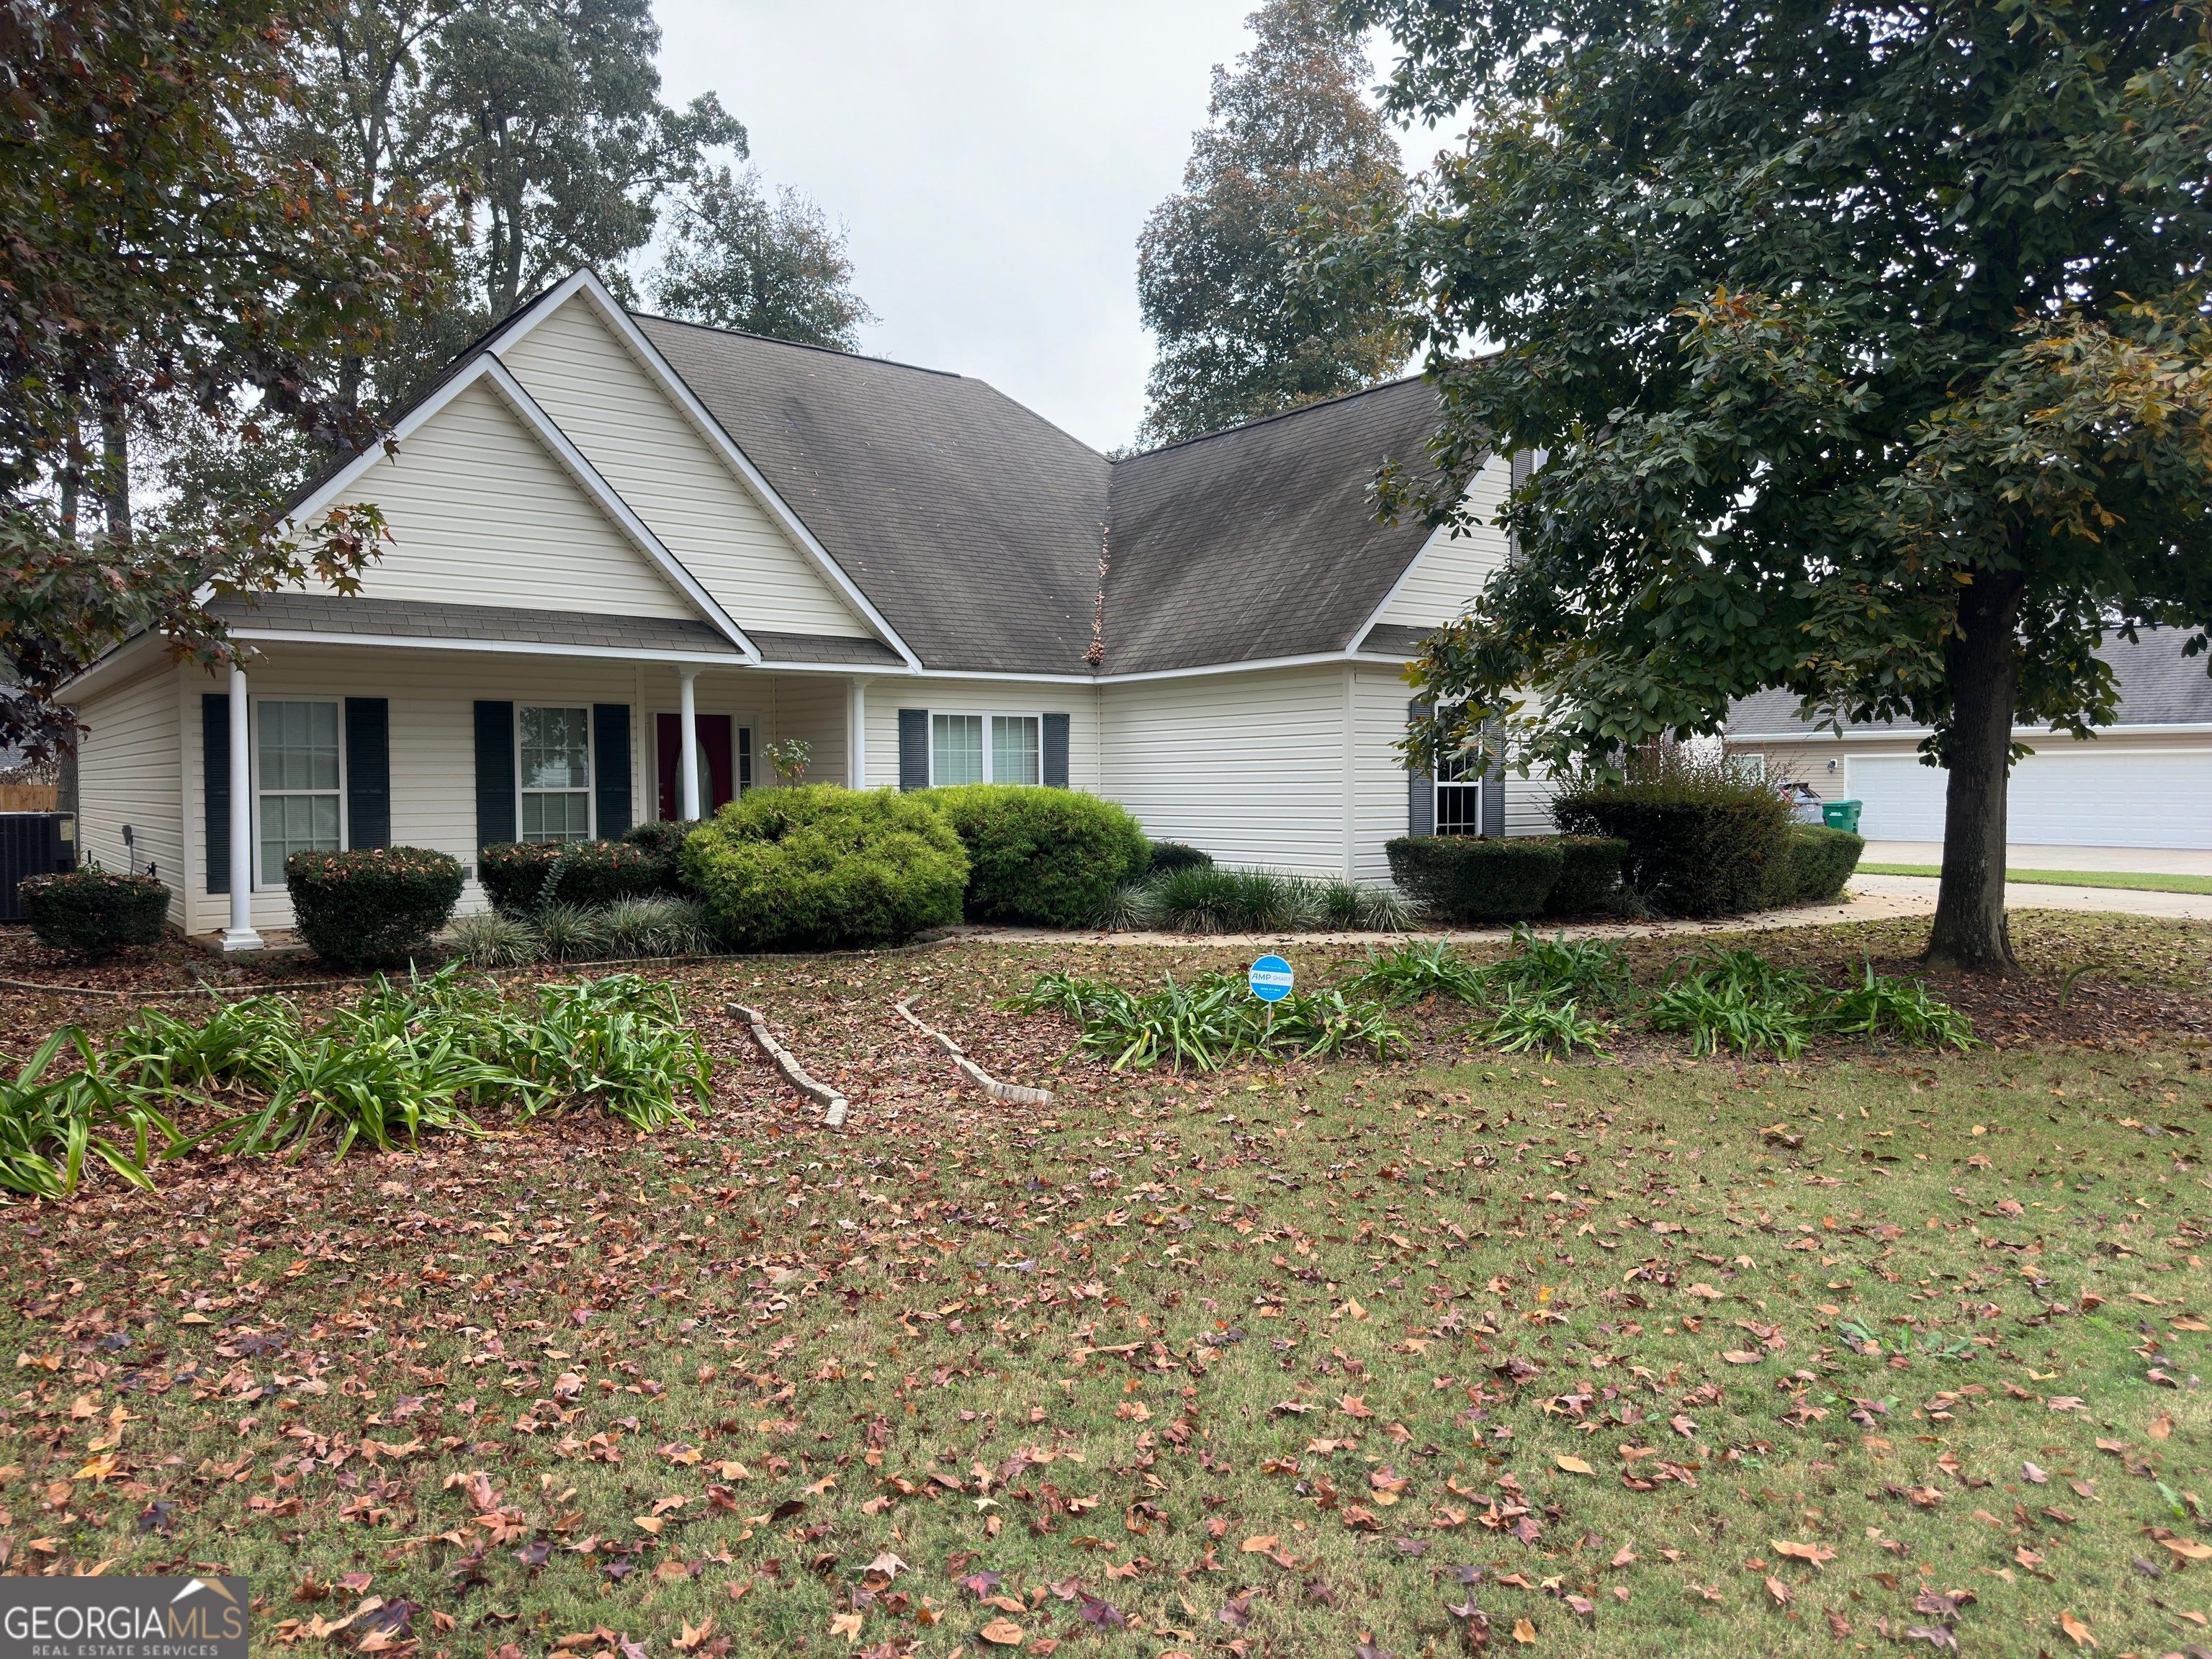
{"x":240,"y":935}
{"x":689,"y":739}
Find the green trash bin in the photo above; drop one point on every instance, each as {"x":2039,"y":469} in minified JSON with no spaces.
{"x":1842,"y":814}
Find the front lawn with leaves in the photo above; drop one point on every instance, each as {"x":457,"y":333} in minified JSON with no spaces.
{"x":1634,"y":1353}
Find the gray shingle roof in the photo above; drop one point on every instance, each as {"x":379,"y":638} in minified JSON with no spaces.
{"x":492,"y":624}
{"x":971,"y":523}
{"x":824,"y":647}
{"x":1389,"y":640}
{"x":2158,"y":686}
{"x":1262,"y":542}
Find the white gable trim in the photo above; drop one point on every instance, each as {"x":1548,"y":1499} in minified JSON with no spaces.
{"x":672,"y":386}
{"x":488,"y":368}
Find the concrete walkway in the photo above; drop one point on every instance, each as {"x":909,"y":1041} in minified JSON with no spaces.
{"x":2140,"y":860}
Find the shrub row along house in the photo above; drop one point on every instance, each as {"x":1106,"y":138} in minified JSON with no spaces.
{"x":628,"y":555}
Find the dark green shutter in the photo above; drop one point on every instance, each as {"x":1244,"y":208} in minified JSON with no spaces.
{"x":495,"y":773}
{"x":369,"y":772}
{"x":215,"y":755}
{"x":611,"y":738}
{"x":1055,"y":751}
{"x":1493,"y":788}
{"x":914,"y":747}
{"x":1421,"y":789}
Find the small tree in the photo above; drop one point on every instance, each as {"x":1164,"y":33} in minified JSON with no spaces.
{"x":1864,"y":350}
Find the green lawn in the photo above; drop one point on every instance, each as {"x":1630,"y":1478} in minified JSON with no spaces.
{"x":1686,"y":1358}
{"x":2142,"y":881}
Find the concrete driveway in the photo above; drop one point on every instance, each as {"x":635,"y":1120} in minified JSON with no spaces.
{"x":2024,"y":857}
{"x":1916,"y":895}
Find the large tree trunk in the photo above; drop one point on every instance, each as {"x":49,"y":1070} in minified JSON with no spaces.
{"x":1970,"y":934}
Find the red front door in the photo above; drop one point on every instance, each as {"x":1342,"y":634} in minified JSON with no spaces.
{"x":716,"y":782}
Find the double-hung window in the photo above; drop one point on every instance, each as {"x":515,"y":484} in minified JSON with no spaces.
{"x":299,"y":783}
{"x":1459,"y":794}
{"x":985,"y":748}
{"x":556,"y":745}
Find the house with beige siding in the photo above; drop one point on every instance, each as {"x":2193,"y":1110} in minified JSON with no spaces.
{"x":627,"y":553}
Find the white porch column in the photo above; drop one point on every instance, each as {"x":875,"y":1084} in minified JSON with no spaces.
{"x":240,"y":935}
{"x":690,"y":739}
{"x":856,"y":731}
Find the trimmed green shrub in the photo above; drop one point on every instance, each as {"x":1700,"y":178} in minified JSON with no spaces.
{"x":1703,"y":838}
{"x":514,"y":872}
{"x":664,"y":838}
{"x":1477,"y":878}
{"x":1049,"y":856}
{"x":1816,"y":864}
{"x":378,"y":905}
{"x":826,"y":867}
{"x":1169,"y":856}
{"x":92,"y":913}
{"x":1589,"y":873}
{"x":597,"y":873}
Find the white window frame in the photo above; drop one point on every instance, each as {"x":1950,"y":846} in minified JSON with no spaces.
{"x":591,"y":768}
{"x":263,"y":880}
{"x":986,"y":715}
{"x":1476,"y":786}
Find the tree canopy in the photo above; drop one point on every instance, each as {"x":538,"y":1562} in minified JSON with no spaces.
{"x":1290,"y":135}
{"x":162,"y":265}
{"x":737,"y":260}
{"x":1862,"y":351}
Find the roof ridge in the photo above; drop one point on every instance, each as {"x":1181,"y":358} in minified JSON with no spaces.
{"x":797,"y":345}
{"x":1265,"y":420}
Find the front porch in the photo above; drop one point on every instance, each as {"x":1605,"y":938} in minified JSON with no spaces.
{"x":479,"y":726}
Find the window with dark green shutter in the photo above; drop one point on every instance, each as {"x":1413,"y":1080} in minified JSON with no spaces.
{"x":215,"y":754}
{"x":369,"y":772}
{"x":1420,"y":788}
{"x":495,"y":773}
{"x":611,"y":738}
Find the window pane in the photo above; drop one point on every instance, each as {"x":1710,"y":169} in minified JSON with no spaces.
{"x":1013,"y":748}
{"x":295,"y":823}
{"x":556,"y":748}
{"x":557,"y":817}
{"x":298,"y":746}
{"x":1459,"y":809}
{"x":958,"y":744}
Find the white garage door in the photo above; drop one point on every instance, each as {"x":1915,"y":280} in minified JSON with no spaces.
{"x":2119,"y":799}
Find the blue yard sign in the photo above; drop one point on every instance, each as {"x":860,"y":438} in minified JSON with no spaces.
{"x":1270,"y":979}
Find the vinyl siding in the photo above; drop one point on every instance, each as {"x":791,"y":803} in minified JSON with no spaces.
{"x":1249,"y":767}
{"x":1451,"y":570}
{"x":1528,"y":804}
{"x":130,"y":771}
{"x":1380,"y":703}
{"x":1079,"y":703}
{"x":480,"y":514}
{"x":656,"y":459}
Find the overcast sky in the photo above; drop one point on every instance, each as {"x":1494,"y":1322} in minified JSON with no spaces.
{"x":993,"y":160}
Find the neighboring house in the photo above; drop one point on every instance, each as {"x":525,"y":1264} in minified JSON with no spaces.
{"x":621,"y":543}
{"x":2145,"y":781}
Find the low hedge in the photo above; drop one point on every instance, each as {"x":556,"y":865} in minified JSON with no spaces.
{"x":664,"y":839}
{"x":1816,"y":864}
{"x":1589,"y":873}
{"x":1477,"y":878}
{"x":1170,"y":855}
{"x":824,"y":867}
{"x":522,"y":876}
{"x":376,"y":906}
{"x":1047,"y":856}
{"x":92,"y":913}
{"x":1703,"y":839}
{"x":514,"y":872}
